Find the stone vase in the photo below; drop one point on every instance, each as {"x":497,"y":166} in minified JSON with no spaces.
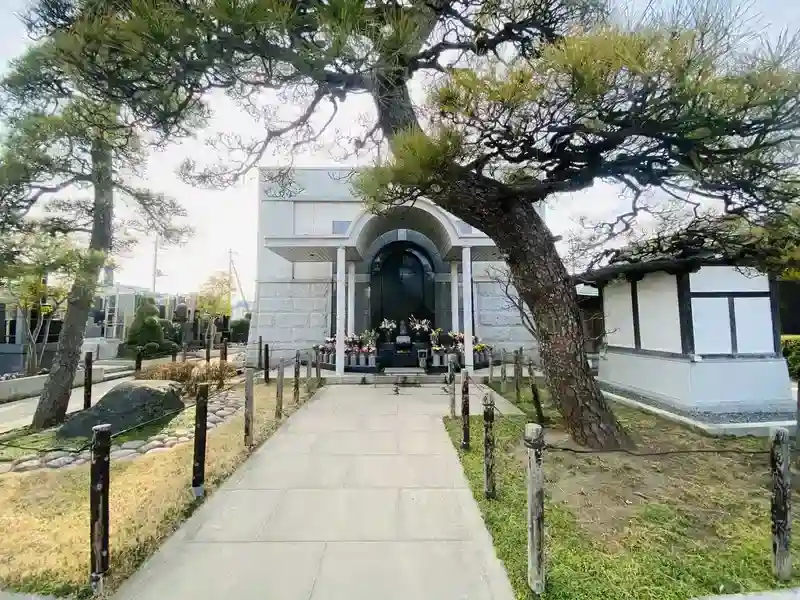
{"x":437,"y":359}
{"x":372,"y":360}
{"x":362,"y":359}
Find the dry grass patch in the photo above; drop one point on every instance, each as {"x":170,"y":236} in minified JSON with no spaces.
{"x":44,"y":515}
{"x":634,"y":527}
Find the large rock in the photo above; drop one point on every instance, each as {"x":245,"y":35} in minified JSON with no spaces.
{"x":128,"y":404}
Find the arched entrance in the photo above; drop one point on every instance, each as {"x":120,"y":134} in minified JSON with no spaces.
{"x":402,"y":283}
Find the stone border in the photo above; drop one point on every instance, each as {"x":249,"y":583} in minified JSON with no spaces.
{"x":221,"y":407}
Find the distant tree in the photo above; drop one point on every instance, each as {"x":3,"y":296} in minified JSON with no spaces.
{"x":37,"y":279}
{"x":214,"y":299}
{"x":58,"y":141}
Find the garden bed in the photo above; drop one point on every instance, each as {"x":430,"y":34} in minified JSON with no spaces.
{"x":45,"y":514}
{"x":629,"y":527}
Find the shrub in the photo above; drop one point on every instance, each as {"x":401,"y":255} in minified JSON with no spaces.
{"x":239,"y":329}
{"x":145,"y":327}
{"x":168,"y":329}
{"x":188,"y":374}
{"x":790,"y":347}
{"x":151,"y":348}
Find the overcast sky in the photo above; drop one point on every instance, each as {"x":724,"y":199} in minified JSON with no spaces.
{"x":227,"y":219}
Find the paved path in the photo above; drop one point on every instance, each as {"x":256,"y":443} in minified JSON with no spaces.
{"x":359,"y":496}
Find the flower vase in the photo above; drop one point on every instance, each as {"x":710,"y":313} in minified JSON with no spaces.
{"x":372,"y":359}
{"x":437,"y":359}
{"x":362,"y":359}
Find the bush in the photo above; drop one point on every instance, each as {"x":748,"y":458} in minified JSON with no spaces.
{"x":151,"y":348}
{"x":790,"y":347}
{"x":239,"y":329}
{"x":188,"y":374}
{"x":145,"y":327}
{"x":169,"y":330}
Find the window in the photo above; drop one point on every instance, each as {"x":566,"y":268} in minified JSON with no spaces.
{"x":340,"y":227}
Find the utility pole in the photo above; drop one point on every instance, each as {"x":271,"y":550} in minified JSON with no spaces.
{"x":230,"y":282}
{"x":155,"y":263}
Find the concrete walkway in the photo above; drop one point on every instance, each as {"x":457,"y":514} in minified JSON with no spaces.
{"x":359,"y":496}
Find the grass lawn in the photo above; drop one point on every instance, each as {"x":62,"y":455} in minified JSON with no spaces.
{"x":625,"y":527}
{"x":44,"y":515}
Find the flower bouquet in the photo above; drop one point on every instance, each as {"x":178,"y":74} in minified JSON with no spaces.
{"x":387,"y":326}
{"x":419,"y":326}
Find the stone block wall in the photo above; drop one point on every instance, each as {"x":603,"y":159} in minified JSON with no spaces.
{"x":496,"y":322}
{"x":291,"y":316}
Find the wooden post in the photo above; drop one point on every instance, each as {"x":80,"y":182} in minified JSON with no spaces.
{"x":296,"y":385}
{"x":279,"y":391}
{"x":451,"y":370}
{"x":780,"y":461}
{"x":137,"y":365}
{"x":223,"y":351}
{"x":248,"y":406}
{"x":534,"y":445}
{"x":489,"y":486}
{"x":308,"y":373}
{"x":491,"y":366}
{"x":518,"y":375}
{"x":175,"y":354}
{"x":503,"y":371}
{"x":200,"y":433}
{"x":266,"y":363}
{"x":536,"y":399}
{"x":260,"y":353}
{"x":208,"y":348}
{"x":318,"y":366}
{"x":184,"y":351}
{"x":100,"y":479}
{"x":87,"y":381}
{"x":464,"y":409}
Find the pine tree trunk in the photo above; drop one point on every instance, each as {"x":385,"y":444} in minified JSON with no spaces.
{"x":543,"y":282}
{"x":538,"y":272}
{"x":54,"y":401}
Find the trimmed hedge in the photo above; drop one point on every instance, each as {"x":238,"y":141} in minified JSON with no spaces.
{"x":790,"y":346}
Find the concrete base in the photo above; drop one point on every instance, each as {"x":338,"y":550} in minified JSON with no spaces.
{"x":100,"y":348}
{"x":711,"y":385}
{"x":758,"y":429}
{"x":26,"y":387}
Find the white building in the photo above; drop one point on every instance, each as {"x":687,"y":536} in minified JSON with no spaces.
{"x":696,"y":336}
{"x":321,"y":249}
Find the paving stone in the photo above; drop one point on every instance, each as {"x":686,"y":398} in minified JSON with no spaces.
{"x":133,"y":444}
{"x":76,"y":463}
{"x":159,"y":449}
{"x":183,"y":439}
{"x":62,"y":461}
{"x":160,"y":437}
{"x":28,"y":465}
{"x":5,"y":467}
{"x":225,"y":412}
{"x":181,"y":432}
{"x":54,"y":455}
{"x":150,"y":445}
{"x":214,"y":419}
{"x":117,"y":454}
{"x":115,"y":447}
{"x":25,"y":458}
{"x":170,"y":443}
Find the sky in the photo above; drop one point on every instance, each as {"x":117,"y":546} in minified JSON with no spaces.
{"x":226,"y":220}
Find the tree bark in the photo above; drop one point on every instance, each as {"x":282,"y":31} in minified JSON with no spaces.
{"x":537,"y":270}
{"x":54,"y":401}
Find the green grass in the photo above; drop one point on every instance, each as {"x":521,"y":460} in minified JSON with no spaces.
{"x":620,"y":527}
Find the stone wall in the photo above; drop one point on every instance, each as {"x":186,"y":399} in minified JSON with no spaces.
{"x":291,"y":316}
{"x":496,"y":323}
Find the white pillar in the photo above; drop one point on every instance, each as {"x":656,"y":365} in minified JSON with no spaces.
{"x":466,"y":276}
{"x":454,"y":295}
{"x":340,"y":309}
{"x":351,"y":298}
